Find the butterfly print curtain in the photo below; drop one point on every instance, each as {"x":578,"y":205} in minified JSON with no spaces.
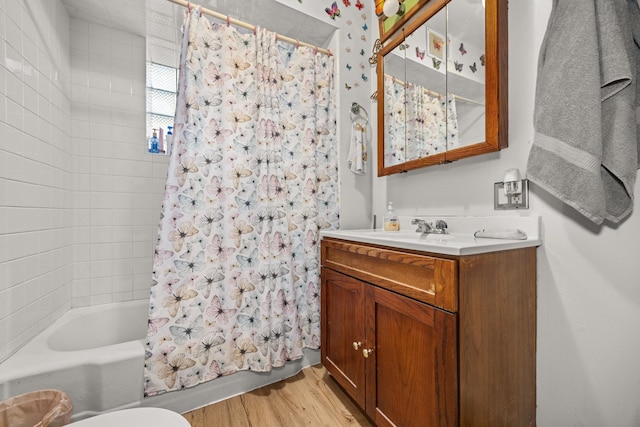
{"x":418,"y":123}
{"x":252,"y":179}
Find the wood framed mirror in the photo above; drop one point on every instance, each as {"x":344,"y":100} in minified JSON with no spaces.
{"x":442,"y":85}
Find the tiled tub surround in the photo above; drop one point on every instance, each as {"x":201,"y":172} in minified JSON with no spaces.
{"x":80,"y":197}
{"x":36,"y":169}
{"x":117,"y":186}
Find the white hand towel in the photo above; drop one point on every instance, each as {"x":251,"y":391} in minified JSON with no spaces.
{"x":357,"y":157}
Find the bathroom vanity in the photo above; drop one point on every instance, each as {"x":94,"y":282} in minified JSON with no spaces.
{"x":439,"y":337}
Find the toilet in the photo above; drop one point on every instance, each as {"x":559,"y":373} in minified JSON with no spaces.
{"x":135,"y":417}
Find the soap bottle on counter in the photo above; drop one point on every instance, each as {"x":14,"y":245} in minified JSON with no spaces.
{"x":391,"y":221}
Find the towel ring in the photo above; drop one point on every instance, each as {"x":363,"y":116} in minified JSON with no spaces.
{"x":358,"y":110}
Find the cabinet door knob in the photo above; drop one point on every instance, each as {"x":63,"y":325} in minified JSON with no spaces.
{"x":366,"y":352}
{"x":357,"y":345}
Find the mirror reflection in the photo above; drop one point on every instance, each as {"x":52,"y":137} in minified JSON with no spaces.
{"x":395,"y":106}
{"x":466,"y":70}
{"x":431,"y":88}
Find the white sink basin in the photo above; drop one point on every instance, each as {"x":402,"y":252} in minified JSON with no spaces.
{"x":413,"y":236}
{"x":454,"y":243}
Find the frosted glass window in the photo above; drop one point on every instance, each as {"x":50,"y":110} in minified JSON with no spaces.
{"x":162,"y":83}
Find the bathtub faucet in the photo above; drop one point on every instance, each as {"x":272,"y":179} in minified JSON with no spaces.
{"x":425,"y":227}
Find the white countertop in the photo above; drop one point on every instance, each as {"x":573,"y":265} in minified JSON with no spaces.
{"x":459,"y":241}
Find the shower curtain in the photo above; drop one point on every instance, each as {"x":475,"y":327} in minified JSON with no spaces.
{"x":418,"y":123}
{"x":253,"y":177}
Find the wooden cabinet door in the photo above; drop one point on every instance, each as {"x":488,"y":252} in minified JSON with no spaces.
{"x":342,"y":335}
{"x":412,"y":368}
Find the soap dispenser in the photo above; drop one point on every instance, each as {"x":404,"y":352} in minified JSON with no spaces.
{"x":391,"y":221}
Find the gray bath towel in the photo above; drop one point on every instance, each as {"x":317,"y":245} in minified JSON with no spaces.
{"x":587,"y":123}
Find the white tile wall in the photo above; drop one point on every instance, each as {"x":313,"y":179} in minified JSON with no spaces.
{"x":117,"y":185}
{"x":35,"y":169}
{"x":79,"y":196}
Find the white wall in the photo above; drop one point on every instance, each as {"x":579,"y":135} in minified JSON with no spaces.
{"x":588,"y":277}
{"x":351,"y":59}
{"x":35,"y":169}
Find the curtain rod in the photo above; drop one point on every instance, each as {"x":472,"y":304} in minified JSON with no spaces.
{"x":242,"y":24}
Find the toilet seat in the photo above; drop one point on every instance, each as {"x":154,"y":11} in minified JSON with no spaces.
{"x":135,"y":417}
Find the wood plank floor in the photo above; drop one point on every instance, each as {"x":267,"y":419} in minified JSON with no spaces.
{"x":311,"y":398}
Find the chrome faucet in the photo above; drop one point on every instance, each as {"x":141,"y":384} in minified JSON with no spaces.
{"x":425,"y":227}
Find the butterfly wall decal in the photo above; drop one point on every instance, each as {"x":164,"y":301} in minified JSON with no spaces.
{"x":482,"y":60}
{"x":420,"y":53}
{"x":333,"y":11}
{"x":436,"y":63}
{"x":473,"y":67}
{"x":349,"y":67}
{"x":379,"y":7}
{"x":359,"y":5}
{"x":362,"y":52}
{"x":458,"y":66}
{"x":365,"y":78}
{"x":404,"y":46}
{"x":437,"y":44}
{"x":347,"y":3}
{"x":462,"y":50}
{"x":347,"y":86}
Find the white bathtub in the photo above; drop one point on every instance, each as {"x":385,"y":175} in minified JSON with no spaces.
{"x":95,"y":354}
